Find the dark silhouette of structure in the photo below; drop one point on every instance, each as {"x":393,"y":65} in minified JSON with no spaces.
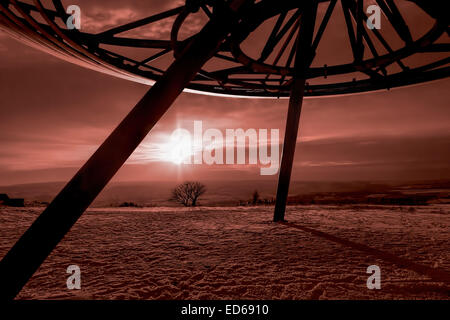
{"x":292,"y":43}
{"x":11,"y":202}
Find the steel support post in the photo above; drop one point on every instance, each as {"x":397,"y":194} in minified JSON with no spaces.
{"x":302,"y":62}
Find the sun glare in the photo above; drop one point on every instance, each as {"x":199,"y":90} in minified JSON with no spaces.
{"x":178,"y":148}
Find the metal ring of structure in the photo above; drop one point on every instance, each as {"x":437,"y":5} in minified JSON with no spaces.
{"x":248,"y":77}
{"x":364,"y":66}
{"x":380,"y":61}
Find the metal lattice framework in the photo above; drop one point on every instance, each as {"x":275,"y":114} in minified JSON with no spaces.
{"x":374,"y":63}
{"x":217,"y":58}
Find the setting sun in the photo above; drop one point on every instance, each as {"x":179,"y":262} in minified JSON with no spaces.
{"x":178,"y":148}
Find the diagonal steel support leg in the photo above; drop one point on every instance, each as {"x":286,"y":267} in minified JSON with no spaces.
{"x":303,"y":60}
{"x":50,"y":227}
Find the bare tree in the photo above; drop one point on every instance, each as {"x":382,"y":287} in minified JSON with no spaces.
{"x":188,"y":193}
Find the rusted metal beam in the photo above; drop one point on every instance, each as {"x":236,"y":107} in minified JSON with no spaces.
{"x":51,"y":226}
{"x":323,"y":24}
{"x":268,"y":48}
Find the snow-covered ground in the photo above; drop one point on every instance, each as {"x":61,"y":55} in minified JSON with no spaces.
{"x":238,"y":253}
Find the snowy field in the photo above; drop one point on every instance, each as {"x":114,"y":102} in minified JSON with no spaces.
{"x":237,"y":253}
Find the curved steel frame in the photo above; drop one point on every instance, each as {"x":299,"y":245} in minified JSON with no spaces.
{"x":248,"y":76}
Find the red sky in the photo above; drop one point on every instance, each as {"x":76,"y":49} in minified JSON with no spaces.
{"x":53,"y":115}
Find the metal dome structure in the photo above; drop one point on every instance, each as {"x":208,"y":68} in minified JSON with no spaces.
{"x":269,"y":74}
{"x":238,"y":48}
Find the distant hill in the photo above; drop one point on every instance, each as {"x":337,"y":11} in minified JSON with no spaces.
{"x":231,"y":192}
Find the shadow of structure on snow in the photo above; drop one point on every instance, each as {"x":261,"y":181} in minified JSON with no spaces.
{"x":436,"y":274}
